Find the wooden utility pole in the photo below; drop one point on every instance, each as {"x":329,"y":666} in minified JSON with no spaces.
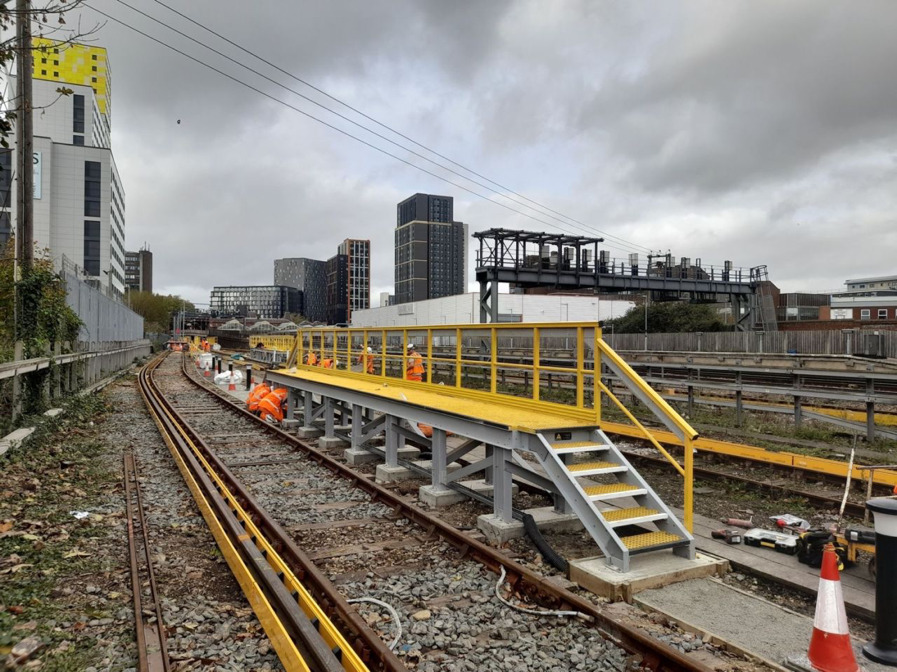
{"x":24,"y":140}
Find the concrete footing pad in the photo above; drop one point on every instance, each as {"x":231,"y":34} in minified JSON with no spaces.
{"x":328,"y":442}
{"x":438,"y":498}
{"x":547,"y":519}
{"x":480,"y":486}
{"x":386,"y":474}
{"x":356,"y":456}
{"x":309,"y":432}
{"x":651,"y":570}
{"x":410,"y":453}
{"x":498,"y":531}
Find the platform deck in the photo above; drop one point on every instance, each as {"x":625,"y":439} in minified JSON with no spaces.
{"x":499,"y":410}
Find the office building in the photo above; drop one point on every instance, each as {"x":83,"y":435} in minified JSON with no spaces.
{"x":79,"y":204}
{"x":139,"y":270}
{"x":309,"y":276}
{"x":348,"y":280}
{"x":263,"y":301}
{"x":430,"y":254}
{"x":425,"y":208}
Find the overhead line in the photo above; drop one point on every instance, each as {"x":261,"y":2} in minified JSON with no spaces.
{"x":588,"y":230}
{"x":387,"y":127}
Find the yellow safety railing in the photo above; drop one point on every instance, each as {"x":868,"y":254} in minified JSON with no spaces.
{"x":273,"y":341}
{"x":548,"y":367}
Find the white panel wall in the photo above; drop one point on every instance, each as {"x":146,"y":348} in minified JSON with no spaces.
{"x":464,"y":309}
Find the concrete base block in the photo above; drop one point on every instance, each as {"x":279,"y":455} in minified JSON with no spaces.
{"x":289,"y":425}
{"x":480,"y":486}
{"x":651,"y":570}
{"x":386,"y":474}
{"x":309,"y":432}
{"x":408,"y":453}
{"x":548,"y":519}
{"x":356,"y":456}
{"x":53,"y":412}
{"x":428,"y":465}
{"x":327,"y":442}
{"x":438,"y":498}
{"x":498,"y":531}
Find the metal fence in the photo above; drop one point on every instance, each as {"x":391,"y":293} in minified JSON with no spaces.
{"x":868,"y":342}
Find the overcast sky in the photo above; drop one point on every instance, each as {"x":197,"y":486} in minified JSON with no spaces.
{"x":760,"y":132}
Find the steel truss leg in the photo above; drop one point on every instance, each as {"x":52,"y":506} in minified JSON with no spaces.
{"x":502,"y":484}
{"x":328,"y":418}
{"x":308,"y":412}
{"x":438,"y":465}
{"x":356,"y":431}
{"x":490,"y":478}
{"x":394,"y":440}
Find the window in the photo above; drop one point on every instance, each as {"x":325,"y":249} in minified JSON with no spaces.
{"x":79,"y":140}
{"x":43,"y":60}
{"x":92,"y":247}
{"x":55,"y":62}
{"x":882,"y":313}
{"x":56,"y":74}
{"x":78,"y":113}
{"x":93,"y":79}
{"x":93,"y":56}
{"x":43,"y":72}
{"x":92,"y":189}
{"x":94,"y":68}
{"x":865,"y":314}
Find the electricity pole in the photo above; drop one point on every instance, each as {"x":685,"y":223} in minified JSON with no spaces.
{"x":24,"y":140}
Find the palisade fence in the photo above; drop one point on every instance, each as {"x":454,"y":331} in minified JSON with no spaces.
{"x":106,"y":319}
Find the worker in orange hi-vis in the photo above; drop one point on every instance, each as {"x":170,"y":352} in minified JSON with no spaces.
{"x":256,"y":396}
{"x":311,"y":358}
{"x":329,"y":363}
{"x":414,"y":368}
{"x":271,"y":408}
{"x":367,"y":360}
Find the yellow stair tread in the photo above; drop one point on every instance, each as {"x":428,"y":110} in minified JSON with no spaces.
{"x":588,"y":466}
{"x":633,"y":512}
{"x":574,"y":444}
{"x":647,"y":539}
{"x":607,"y":489}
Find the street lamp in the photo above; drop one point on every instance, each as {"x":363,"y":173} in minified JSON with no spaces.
{"x":647,"y":300}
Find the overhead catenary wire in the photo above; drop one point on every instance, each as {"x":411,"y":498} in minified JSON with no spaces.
{"x":336,"y":128}
{"x":572,"y":220}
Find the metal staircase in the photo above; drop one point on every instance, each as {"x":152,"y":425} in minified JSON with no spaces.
{"x":618,"y":508}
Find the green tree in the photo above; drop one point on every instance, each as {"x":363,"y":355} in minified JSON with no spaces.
{"x":668,"y":318}
{"x":156,"y":309}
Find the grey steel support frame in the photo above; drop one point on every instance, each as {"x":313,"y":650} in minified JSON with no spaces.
{"x":438,"y":464}
{"x":308,"y":414}
{"x":327,"y":403}
{"x":488,"y":301}
{"x":502,"y":485}
{"x":394,"y":440}
{"x":366,"y":432}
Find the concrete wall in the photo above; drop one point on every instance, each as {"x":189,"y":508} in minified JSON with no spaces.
{"x":465,"y":309}
{"x":104,"y":319}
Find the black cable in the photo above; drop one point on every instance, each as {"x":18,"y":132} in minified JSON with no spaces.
{"x":341,"y":116}
{"x":381,"y":124}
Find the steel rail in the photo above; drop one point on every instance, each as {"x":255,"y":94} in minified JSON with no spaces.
{"x":821,"y":501}
{"x":152,"y":650}
{"x":293,"y":636}
{"x":654,"y":654}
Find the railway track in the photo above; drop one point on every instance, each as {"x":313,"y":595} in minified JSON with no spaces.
{"x":344,"y":538}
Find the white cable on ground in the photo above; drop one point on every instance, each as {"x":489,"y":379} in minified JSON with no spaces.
{"x":533,"y":612}
{"x":392,"y":612}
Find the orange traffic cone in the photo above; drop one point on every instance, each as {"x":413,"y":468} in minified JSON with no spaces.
{"x":206,"y":371}
{"x":830,"y":649}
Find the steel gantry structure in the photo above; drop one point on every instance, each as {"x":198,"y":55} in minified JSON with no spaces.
{"x":528,"y":259}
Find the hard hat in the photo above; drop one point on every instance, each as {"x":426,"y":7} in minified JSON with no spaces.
{"x":336,"y":362}
{"x":410,"y":345}
{"x":369,"y":351}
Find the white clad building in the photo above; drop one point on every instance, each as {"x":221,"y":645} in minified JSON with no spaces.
{"x":464,"y":309}
{"x":79,"y":203}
